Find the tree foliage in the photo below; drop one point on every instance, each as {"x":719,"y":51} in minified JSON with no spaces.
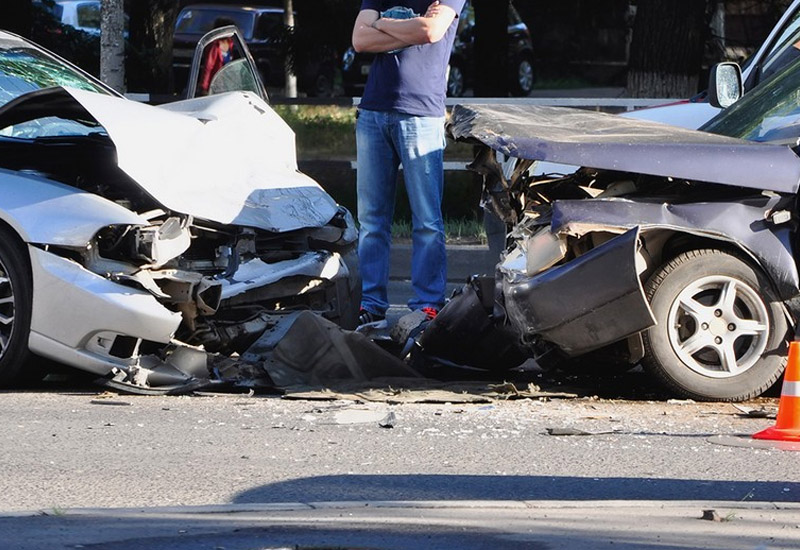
{"x":79,"y":47}
{"x":18,"y":16}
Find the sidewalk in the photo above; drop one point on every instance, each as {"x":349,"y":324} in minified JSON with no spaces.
{"x":428,"y":525}
{"x":463,"y":260}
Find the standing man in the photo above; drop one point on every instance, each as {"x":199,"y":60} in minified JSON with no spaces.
{"x":401,"y":121}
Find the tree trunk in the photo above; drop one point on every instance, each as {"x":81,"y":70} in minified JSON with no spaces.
{"x":112,"y":44}
{"x":152,"y":26}
{"x":291,"y":77}
{"x":667,"y":48}
{"x":491,"y":48}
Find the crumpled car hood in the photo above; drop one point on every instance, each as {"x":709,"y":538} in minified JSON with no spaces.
{"x":597,"y":140}
{"x":227,"y":158}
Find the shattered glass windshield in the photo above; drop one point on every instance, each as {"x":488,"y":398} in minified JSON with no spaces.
{"x":25,"y":68}
{"x":770,"y":112}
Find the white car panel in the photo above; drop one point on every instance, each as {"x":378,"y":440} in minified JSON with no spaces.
{"x":46,"y":212}
{"x":256,"y":273}
{"x":185,"y":154}
{"x":72,"y":304}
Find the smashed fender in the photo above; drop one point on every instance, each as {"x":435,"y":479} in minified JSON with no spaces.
{"x":744,"y":222}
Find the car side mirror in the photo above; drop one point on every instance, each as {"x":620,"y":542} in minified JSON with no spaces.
{"x":725,"y":86}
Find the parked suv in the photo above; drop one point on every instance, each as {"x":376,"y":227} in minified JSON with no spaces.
{"x":265,"y":35}
{"x":355,"y":66}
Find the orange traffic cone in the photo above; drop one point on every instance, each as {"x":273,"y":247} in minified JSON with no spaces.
{"x":787,"y":424}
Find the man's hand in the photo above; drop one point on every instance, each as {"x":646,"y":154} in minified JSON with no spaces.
{"x":433,"y":10}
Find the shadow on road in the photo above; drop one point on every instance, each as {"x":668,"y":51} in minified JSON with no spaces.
{"x":539,"y":488}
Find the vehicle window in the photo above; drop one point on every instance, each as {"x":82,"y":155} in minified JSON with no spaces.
{"x":770,"y":112}
{"x":89,"y":15}
{"x":225,"y":68}
{"x":269,"y":25}
{"x":234,"y":77}
{"x":200,"y":21}
{"x":50,"y":127}
{"x":784,"y":50}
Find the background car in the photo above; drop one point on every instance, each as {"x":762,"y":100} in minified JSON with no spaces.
{"x":522,"y":77}
{"x":83,"y":15}
{"x":268,"y":40}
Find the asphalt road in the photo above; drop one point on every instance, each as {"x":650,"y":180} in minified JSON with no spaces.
{"x":68,"y":448}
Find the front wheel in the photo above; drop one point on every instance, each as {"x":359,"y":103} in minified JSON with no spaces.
{"x":15,"y":308}
{"x":720,"y":333}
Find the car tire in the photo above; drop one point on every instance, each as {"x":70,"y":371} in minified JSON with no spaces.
{"x":523,"y":76}
{"x":321,"y":83}
{"x":720,"y":333}
{"x":456,"y":81}
{"x":15,"y":307}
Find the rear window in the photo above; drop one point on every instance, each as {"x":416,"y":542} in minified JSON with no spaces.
{"x":200,"y":21}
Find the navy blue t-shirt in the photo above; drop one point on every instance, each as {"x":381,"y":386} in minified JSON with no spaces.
{"x":412,"y":80}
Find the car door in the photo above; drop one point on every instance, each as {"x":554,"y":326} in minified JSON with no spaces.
{"x":223,"y":63}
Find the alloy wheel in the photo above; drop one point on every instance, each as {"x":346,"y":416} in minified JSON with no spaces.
{"x":6,"y":309}
{"x":718,"y":326}
{"x":525,"y":76}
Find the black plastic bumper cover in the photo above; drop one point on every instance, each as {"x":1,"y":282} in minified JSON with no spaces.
{"x":592,"y":301}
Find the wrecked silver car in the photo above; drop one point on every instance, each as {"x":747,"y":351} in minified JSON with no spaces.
{"x":670,"y":247}
{"x":135,"y":240}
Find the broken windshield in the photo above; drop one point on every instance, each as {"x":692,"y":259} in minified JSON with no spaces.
{"x":25,"y":69}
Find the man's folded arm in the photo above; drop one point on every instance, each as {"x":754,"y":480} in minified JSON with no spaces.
{"x":427,"y":29}
{"x":366,"y":38}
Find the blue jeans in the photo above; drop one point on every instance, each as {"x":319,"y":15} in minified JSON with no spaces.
{"x":385,"y":140}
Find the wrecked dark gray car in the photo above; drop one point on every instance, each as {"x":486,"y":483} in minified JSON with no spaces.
{"x":671,"y":247}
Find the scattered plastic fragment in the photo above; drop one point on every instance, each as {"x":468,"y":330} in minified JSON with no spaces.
{"x":388,"y":421}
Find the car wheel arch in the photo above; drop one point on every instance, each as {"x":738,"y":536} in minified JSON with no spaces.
{"x":13,"y":226}
{"x":665,"y":244}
